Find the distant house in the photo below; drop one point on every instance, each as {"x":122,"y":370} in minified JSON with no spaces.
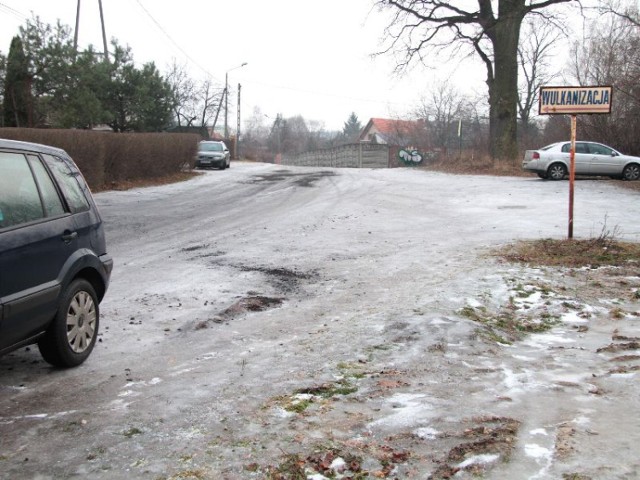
{"x":394,"y":132}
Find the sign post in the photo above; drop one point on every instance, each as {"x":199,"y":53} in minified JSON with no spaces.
{"x":572,"y":173}
{"x":574,"y":101}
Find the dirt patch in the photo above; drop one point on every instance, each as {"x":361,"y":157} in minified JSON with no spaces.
{"x":335,"y":462}
{"x":300,"y":179}
{"x":617,"y":347}
{"x":564,"y":440}
{"x":194,"y":248}
{"x":492,"y":439}
{"x":283,"y":279}
{"x":247,"y":304}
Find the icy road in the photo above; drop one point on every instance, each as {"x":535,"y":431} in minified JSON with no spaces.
{"x":275,"y":322}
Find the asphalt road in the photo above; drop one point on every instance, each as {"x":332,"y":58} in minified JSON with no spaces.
{"x":264,"y":312}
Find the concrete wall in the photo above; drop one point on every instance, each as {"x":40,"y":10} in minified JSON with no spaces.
{"x":360,"y":155}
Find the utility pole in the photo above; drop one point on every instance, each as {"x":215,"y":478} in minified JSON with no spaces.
{"x":237,"y":149}
{"x":226,"y":100}
{"x":226,"y":106}
{"x":75,"y":34}
{"x":104,"y":35}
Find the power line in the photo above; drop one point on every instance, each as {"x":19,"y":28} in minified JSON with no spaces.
{"x":327,"y":94}
{"x":173,"y":41}
{"x":12,"y":11}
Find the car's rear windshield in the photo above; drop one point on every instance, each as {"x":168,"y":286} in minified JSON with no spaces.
{"x":549,"y":146}
{"x":210,"y":147}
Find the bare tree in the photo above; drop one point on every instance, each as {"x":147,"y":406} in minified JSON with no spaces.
{"x":611,"y":56}
{"x":624,"y":9}
{"x":194,"y":103}
{"x":208,"y":98}
{"x":442,"y":109}
{"x":535,"y":53}
{"x":418,"y":26}
{"x":184,"y":96}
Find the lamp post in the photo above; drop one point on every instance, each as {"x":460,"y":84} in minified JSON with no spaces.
{"x":226,"y":100}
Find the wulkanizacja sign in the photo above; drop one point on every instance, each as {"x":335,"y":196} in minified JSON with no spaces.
{"x":575,"y":100}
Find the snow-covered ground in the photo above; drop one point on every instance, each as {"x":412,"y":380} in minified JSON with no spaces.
{"x":337,"y":322}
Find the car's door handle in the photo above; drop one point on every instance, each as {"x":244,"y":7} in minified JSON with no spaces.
{"x":67,"y":236}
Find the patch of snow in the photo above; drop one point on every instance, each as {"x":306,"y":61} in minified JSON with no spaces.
{"x":536,"y":451}
{"x":582,"y":420}
{"x":543,"y":340}
{"x":338,"y":465}
{"x":533,"y":299}
{"x":538,"y":431}
{"x":483,"y":459}
{"x":472,"y":302}
{"x":410,"y":409}
{"x":524,"y":358}
{"x":440,"y":321}
{"x":573,"y":317}
{"x":623,"y":375}
{"x":315,"y":476}
{"x":426,"y":433}
{"x":282,"y":413}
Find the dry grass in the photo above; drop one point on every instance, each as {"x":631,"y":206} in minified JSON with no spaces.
{"x":473,"y":164}
{"x":147,"y":182}
{"x":594,"y":252}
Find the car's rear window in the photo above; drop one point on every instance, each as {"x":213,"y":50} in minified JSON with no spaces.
{"x":210,"y":147}
{"x":69,"y":183}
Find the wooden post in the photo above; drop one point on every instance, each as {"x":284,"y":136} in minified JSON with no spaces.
{"x":572,"y":173}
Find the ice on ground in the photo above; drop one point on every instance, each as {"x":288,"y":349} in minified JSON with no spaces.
{"x":411,"y":409}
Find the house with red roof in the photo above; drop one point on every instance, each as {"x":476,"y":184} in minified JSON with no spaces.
{"x":394,"y":132}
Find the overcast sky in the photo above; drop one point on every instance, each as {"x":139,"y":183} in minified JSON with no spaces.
{"x":307,"y":58}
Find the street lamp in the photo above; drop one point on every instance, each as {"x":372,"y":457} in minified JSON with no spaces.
{"x":226,"y":100}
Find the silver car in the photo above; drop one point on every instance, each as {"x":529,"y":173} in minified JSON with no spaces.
{"x":552,"y":162}
{"x":213,"y":154}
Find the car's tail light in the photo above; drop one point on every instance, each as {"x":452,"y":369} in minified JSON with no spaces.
{"x":536,"y":155}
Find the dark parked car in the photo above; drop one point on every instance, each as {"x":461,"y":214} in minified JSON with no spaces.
{"x":212,"y":153}
{"x":54,"y":266}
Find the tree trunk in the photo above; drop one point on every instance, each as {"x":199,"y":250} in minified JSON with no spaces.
{"x":503,"y":88}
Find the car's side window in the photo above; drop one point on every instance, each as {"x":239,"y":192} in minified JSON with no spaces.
{"x":19,"y":198}
{"x":599,"y":149}
{"x":581,"y":147}
{"x":68,"y":183}
{"x":51,"y":199}
{"x":566,"y":148}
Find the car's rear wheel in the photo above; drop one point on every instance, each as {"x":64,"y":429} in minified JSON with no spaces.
{"x":631,"y":172}
{"x":556,"y":171}
{"x":74,"y":330}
